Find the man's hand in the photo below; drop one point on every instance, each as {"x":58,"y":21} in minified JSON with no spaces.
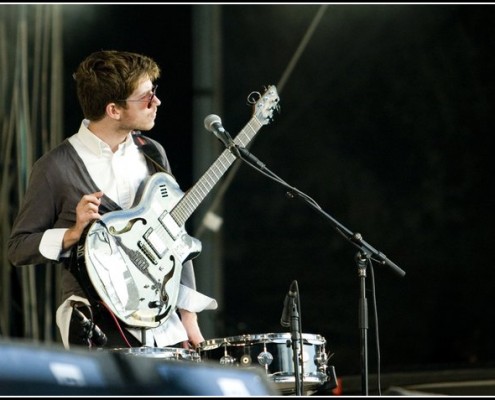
{"x":86,"y":211}
{"x":190,"y":321}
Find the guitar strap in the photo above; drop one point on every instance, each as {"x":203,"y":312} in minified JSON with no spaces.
{"x":150,"y":151}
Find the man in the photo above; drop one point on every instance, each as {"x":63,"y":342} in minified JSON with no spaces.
{"x":98,"y":170}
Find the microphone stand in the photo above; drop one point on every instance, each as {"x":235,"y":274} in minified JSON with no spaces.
{"x":365,"y":254}
{"x":290,"y":318}
{"x":361,"y":260}
{"x":294,"y":329}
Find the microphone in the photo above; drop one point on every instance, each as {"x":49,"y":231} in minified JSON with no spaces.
{"x":96,"y":334}
{"x":213,"y":123}
{"x":289,"y":299}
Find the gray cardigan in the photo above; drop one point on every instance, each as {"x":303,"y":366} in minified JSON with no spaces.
{"x":57,"y":182}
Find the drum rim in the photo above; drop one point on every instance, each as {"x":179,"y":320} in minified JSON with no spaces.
{"x":310,"y":382}
{"x":151,"y":350}
{"x":250,"y":339}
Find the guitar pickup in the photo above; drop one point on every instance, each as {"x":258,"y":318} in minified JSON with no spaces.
{"x":155,"y":242}
{"x":170,"y":225}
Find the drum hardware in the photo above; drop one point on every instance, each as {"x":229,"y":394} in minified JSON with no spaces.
{"x":246,"y":360}
{"x":168,"y":353}
{"x":227,"y":359}
{"x":273,"y":353}
{"x":265,"y":358}
{"x":321,"y":360}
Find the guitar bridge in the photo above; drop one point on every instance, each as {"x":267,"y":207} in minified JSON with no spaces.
{"x":147,"y":252}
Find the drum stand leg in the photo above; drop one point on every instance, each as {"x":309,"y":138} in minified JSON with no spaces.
{"x":143,"y":337}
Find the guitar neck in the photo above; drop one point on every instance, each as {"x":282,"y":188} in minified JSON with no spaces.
{"x":197,"y":193}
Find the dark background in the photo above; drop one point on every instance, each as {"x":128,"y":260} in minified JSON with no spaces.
{"x":386,"y":122}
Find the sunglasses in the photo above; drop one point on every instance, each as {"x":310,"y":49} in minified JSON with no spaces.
{"x":147,"y":98}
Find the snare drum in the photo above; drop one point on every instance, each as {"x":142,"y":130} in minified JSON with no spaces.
{"x":274,"y":353}
{"x":167,"y":353}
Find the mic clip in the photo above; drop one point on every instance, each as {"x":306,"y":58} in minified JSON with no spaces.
{"x":92,"y":332}
{"x":245,"y":155}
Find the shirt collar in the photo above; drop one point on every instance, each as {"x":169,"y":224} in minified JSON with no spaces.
{"x":95,"y":144}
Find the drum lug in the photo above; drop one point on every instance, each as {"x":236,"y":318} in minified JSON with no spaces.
{"x":245,"y":360}
{"x":227,"y":360}
{"x":265,"y":358}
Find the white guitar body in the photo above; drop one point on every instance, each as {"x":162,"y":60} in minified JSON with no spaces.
{"x":134,"y":257}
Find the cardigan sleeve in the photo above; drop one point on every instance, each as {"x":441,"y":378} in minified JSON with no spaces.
{"x":37,"y":213}
{"x":57,"y":182}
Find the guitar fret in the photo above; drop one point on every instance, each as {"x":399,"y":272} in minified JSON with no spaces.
{"x":239,"y":138}
{"x":178,"y":216}
{"x":198,"y":192}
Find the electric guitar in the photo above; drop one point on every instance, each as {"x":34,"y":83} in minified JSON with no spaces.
{"x":133,"y":258}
